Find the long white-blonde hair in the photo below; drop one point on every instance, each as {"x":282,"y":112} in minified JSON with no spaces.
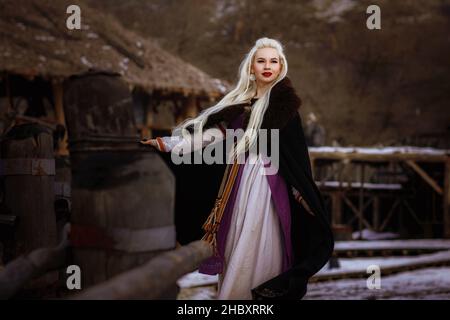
{"x":242,"y":93}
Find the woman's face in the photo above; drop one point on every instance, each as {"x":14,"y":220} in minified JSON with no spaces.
{"x":266,"y":65}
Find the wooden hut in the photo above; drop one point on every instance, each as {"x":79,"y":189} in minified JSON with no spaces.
{"x":38,"y":52}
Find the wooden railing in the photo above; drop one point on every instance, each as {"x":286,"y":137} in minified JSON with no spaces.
{"x":149,"y":281}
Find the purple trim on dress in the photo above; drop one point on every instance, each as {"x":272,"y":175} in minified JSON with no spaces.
{"x":214,"y":265}
{"x":280,"y":199}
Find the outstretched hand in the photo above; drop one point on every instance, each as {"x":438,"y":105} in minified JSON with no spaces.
{"x":151,"y":142}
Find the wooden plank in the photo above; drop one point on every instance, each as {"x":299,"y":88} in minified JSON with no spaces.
{"x":424,"y":176}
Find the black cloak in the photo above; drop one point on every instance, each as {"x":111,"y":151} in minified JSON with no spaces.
{"x":312,"y":239}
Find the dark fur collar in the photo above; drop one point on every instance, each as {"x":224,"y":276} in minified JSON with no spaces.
{"x":283,"y":105}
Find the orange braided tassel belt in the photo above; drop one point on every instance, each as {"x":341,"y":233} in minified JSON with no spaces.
{"x":212,"y":223}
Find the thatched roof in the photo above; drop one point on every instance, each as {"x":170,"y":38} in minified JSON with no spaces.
{"x":34,"y":41}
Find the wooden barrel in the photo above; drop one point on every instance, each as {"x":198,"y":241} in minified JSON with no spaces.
{"x":28,"y":172}
{"x":122,"y":211}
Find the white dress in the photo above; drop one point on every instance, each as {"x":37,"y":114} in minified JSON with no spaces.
{"x":254,"y":248}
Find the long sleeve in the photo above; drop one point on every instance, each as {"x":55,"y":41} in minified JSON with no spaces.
{"x":192,"y":142}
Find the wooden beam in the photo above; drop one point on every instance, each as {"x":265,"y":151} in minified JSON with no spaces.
{"x":389,"y":215}
{"x":44,"y":122}
{"x":424,"y":176}
{"x":20,"y":271}
{"x":367,"y":157}
{"x":152,"y":279}
{"x":358,"y":214}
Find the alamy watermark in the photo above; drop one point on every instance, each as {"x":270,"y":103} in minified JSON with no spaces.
{"x":213,"y":141}
{"x":374,"y":280}
{"x":73,"y":22}
{"x":374,"y":20}
{"x":74,"y":279}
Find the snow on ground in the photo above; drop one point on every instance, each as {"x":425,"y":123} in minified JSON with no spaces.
{"x":197,"y":286}
{"x":356,"y":184}
{"x":359,"y":266}
{"x":426,"y":284}
{"x":198,"y":293}
{"x":429,"y":283}
{"x":438,"y":244}
{"x":367,"y":234}
{"x":353,"y":264}
{"x":195,"y":279}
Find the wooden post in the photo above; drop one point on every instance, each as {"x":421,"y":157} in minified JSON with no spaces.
{"x":188,"y":108}
{"x":146,"y":131}
{"x":336,"y":203}
{"x":446,"y":199}
{"x":361,"y":201}
{"x":60,"y":117}
{"x":376,"y":212}
{"x":191,"y":107}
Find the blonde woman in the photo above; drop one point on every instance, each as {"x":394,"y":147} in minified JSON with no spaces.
{"x":274,"y":234}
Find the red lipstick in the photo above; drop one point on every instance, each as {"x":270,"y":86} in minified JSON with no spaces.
{"x":267,"y":74}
